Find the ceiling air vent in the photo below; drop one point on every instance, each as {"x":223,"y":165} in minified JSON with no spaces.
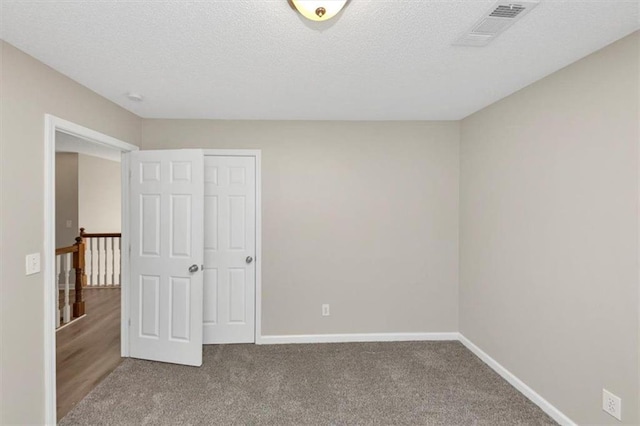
{"x":494,"y":22}
{"x":510,"y":11}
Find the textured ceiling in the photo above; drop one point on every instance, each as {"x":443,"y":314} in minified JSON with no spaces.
{"x":257,"y":59}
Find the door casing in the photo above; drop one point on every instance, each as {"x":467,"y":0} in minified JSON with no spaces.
{"x":51,"y":125}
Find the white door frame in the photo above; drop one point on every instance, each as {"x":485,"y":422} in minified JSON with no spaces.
{"x":257,"y":154}
{"x":51,"y":125}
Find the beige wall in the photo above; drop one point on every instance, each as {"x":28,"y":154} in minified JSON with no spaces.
{"x":66,"y":198}
{"x":99,"y":194}
{"x":87,"y":193}
{"x":360,"y":215}
{"x":549,"y":233}
{"x":28,"y":90}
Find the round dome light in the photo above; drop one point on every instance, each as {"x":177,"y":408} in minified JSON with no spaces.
{"x":318,"y":10}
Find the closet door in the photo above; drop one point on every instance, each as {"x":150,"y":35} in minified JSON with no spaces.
{"x":167,"y":193}
{"x":229,"y":249}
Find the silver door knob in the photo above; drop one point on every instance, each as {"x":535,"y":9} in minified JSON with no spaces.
{"x":193,"y":268}
{"x":249,"y":259}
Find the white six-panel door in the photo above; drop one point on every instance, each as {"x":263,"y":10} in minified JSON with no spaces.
{"x":229,"y":249}
{"x":167,"y":195}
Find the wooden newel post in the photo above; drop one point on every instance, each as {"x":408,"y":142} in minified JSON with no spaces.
{"x":78,"y":265}
{"x":84,"y":269}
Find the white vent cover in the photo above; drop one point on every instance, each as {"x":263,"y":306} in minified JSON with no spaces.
{"x":501,"y":16}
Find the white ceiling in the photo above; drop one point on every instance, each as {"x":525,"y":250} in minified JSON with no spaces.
{"x":257,"y":59}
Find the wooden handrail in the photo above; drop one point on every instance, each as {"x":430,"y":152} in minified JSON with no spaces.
{"x":100,"y":235}
{"x":107,"y":235}
{"x":65,"y":250}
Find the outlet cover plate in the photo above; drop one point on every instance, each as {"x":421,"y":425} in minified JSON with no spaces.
{"x":325,"y":310}
{"x":612,"y":404}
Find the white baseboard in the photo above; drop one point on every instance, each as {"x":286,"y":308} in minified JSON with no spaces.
{"x":535,"y":397}
{"x":71,"y":322}
{"x":362,"y":337}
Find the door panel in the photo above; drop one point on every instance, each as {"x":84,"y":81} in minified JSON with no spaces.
{"x":237,"y":295}
{"x":150,"y":225}
{"x":230,"y":230}
{"x":210,"y":296}
{"x":180,"y":308}
{"x":150,"y":306}
{"x":167,"y":197}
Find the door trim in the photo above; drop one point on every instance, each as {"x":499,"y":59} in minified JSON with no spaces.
{"x":51,"y":125}
{"x":257,"y":154}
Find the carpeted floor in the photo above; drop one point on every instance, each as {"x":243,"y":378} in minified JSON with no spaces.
{"x":417,"y":383}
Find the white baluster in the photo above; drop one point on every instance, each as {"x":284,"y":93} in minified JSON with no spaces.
{"x":98,"y":250}
{"x":105,"y":281}
{"x":105,"y":276}
{"x":95,"y":263}
{"x":66,"y":310}
{"x":87,"y":260}
{"x":113,"y":261}
{"x":120,"y":261}
{"x":58,"y":261}
{"x":105,"y":261}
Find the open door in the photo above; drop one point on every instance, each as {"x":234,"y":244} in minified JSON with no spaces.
{"x":167,"y":197}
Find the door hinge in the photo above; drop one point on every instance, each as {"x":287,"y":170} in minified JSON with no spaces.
{"x":129,"y":322}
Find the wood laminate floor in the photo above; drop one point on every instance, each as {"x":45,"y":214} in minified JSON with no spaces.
{"x":87,"y":350}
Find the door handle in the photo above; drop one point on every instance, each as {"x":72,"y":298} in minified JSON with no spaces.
{"x":249,"y":259}
{"x":193,"y":268}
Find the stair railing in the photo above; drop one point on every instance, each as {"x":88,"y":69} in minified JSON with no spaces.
{"x":70,"y":265}
{"x":103,"y":253}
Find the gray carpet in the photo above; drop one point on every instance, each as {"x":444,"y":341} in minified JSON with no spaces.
{"x":417,"y":383}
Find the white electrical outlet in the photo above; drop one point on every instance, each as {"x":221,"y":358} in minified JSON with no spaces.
{"x":612,"y":404}
{"x":32,"y":263}
{"x":325,"y":310}
{"x":69,"y":224}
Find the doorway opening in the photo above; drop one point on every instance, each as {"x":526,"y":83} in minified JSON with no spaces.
{"x":88,"y":191}
{"x":84,"y":270}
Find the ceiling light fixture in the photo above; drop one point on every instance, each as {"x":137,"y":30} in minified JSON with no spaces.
{"x":318,"y":10}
